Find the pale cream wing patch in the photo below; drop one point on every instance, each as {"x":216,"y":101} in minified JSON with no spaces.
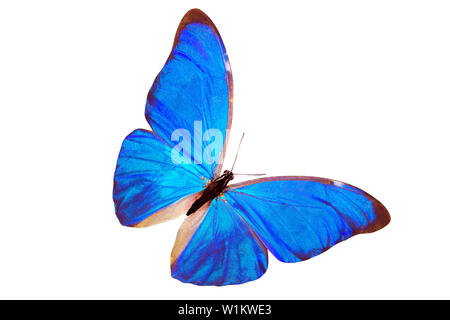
{"x":187,"y":230}
{"x":170,"y":212}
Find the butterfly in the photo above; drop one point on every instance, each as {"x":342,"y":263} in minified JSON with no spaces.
{"x":229,"y":228}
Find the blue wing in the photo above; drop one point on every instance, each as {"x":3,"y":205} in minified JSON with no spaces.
{"x":147,"y":181}
{"x":194,"y":92}
{"x":194,"y":85}
{"x":215,"y":246}
{"x":297,"y":218}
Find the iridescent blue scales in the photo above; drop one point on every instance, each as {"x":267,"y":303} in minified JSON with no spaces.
{"x":225,"y":241}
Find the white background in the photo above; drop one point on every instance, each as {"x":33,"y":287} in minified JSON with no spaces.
{"x":352,"y":90}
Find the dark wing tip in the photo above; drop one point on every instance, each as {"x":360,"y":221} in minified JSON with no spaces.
{"x":195,"y":16}
{"x":382,"y":217}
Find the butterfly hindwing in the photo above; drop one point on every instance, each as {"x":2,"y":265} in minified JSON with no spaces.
{"x":147,"y":181}
{"x":215,"y":246}
{"x":300,"y":217}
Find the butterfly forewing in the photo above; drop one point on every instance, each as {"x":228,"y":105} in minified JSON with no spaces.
{"x":300,"y":217}
{"x":194,"y":93}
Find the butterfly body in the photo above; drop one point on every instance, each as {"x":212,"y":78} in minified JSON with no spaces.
{"x":212,"y":190}
{"x":229,"y":228}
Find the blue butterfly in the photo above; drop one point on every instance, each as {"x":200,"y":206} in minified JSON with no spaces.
{"x":229,"y":228}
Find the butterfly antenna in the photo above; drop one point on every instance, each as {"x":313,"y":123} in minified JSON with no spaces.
{"x":243,"y":174}
{"x":237,"y":151}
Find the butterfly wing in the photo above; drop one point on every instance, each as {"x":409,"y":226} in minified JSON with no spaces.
{"x":215,"y":246}
{"x":297,"y":218}
{"x":194,"y":92}
{"x":146,"y":181}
